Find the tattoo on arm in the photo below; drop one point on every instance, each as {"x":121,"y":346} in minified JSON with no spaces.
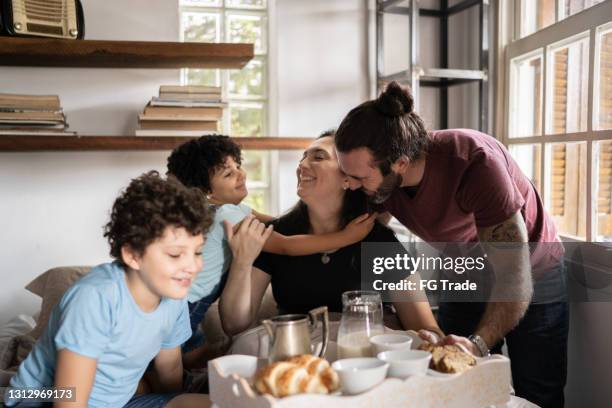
{"x":511,"y":230}
{"x":506,"y":232}
{"x":509,"y":258}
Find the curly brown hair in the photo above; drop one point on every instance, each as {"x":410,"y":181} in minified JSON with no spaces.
{"x":147,"y":206}
{"x":196,"y":161}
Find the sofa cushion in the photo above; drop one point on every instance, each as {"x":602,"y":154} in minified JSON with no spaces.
{"x":51,"y":286}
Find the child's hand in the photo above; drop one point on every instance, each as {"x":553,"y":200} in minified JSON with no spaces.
{"x":246,"y":243}
{"x":360,"y":227}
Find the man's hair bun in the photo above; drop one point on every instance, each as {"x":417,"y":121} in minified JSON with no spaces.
{"x":395,"y":100}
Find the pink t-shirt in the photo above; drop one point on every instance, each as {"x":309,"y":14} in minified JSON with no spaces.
{"x":470,"y":181}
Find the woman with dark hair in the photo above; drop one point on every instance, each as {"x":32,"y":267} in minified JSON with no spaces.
{"x":301,"y":283}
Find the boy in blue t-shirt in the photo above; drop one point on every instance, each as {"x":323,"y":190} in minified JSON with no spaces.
{"x":114,"y":321}
{"x":213,"y":164}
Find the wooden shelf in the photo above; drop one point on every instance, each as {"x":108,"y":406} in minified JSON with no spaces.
{"x":115,"y":143}
{"x":45,"y":52}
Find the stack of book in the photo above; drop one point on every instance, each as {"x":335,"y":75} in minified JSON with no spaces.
{"x":182,"y":111}
{"x":40,"y":115}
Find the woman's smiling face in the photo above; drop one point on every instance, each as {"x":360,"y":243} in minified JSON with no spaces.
{"x":318,"y":174}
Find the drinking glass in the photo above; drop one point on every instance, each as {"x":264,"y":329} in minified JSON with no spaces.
{"x":362,"y":318}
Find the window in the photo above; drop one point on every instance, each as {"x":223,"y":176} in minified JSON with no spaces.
{"x":569,"y":7}
{"x":567,"y":86}
{"x":536,"y":14}
{"x":539,"y":14}
{"x":246,"y":90}
{"x":526,"y":96}
{"x":528,"y":157}
{"x":559,"y":111}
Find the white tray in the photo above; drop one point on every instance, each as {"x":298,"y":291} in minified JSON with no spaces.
{"x":488,"y":383}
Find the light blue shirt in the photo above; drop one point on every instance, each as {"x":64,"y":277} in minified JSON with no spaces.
{"x":216,"y":254}
{"x":98,"y":318}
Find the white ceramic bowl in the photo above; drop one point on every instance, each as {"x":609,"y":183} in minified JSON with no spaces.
{"x":406,"y":363}
{"x":385,"y":342}
{"x":360,"y":374}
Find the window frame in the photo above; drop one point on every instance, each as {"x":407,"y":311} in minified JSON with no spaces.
{"x":593,"y":20}
{"x":268,"y":99}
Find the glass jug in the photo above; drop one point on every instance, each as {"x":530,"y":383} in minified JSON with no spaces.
{"x":362,"y":318}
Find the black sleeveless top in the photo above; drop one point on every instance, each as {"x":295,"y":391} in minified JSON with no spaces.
{"x":302,"y":283}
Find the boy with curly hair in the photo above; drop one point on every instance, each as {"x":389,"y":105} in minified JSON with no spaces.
{"x":213,"y":164}
{"x":114,"y":321}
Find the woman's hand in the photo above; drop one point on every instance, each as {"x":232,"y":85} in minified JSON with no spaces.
{"x":246,"y":243}
{"x":360,"y":227}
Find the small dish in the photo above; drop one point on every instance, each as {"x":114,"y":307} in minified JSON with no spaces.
{"x":406,"y":363}
{"x":360,"y":374}
{"x":385,"y":342}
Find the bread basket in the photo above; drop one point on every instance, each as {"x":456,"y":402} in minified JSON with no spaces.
{"x":486,"y":384}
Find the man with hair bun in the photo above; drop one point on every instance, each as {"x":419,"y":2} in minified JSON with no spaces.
{"x":462,"y":186}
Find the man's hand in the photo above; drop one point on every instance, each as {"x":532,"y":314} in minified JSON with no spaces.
{"x":429,"y":336}
{"x":246,"y":243}
{"x":462,"y":342}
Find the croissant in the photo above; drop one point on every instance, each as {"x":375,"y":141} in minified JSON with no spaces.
{"x":297,"y":375}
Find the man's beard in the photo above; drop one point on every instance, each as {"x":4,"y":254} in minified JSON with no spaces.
{"x":389,"y":183}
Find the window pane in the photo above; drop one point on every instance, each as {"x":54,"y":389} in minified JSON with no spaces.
{"x":535,"y":15}
{"x":529,"y":160}
{"x":247,"y":119}
{"x":568,"y":88}
{"x":258,"y":200}
{"x":526,"y":97}
{"x":246,"y":3}
{"x":255,"y":163}
{"x":247,"y":81}
{"x":604,"y":192}
{"x":570,"y":7}
{"x":201,"y":27}
{"x":247,"y":28}
{"x":200,"y":3}
{"x":202,"y":77}
{"x":245,"y":89}
{"x":566,"y":183}
{"x":604,"y":88}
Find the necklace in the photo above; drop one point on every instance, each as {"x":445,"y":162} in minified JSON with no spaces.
{"x":325,"y":258}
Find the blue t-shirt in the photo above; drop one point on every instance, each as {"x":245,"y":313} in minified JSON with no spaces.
{"x":216,"y":254}
{"x":98,"y":318}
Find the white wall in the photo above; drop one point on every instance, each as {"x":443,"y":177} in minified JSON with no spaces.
{"x":322,"y":72}
{"x":53,"y":205}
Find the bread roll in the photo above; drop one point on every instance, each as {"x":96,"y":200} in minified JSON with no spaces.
{"x":297,"y":375}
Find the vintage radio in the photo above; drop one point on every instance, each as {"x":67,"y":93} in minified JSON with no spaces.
{"x":42,"y":18}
